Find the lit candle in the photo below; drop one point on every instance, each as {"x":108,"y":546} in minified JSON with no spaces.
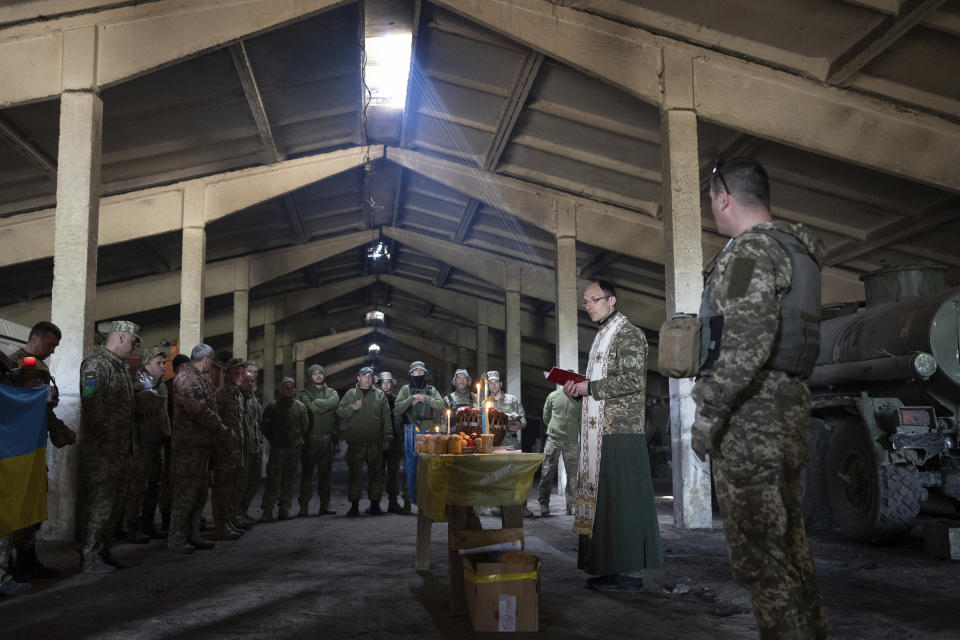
{"x":485,"y":389}
{"x":478,"y":395}
{"x":448,"y":421}
{"x":486,"y":410}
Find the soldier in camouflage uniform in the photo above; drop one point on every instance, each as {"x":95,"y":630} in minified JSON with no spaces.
{"x":151,"y":430}
{"x":318,"y":447}
{"x":394,"y":459}
{"x":615,"y":514}
{"x":228,"y":450}
{"x":107,"y":408}
{"x":42,"y":341}
{"x":196,"y":427}
{"x":285,"y":422}
{"x":365,"y":415}
{"x":510,"y":405}
{"x":418,"y":402}
{"x":561,"y":414}
{"x":252,"y":445}
{"x":461,"y":395}
{"x":760,"y":320}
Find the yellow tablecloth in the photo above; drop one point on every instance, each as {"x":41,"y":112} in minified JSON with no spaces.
{"x":489,"y":480}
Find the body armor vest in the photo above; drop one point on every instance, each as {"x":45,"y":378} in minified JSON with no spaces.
{"x":422,"y":410}
{"x":797,"y":342}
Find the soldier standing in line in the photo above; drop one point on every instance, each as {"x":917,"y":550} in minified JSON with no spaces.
{"x":394,"y":459}
{"x":228,"y":451}
{"x":510,"y":405}
{"x":760,"y":315}
{"x":461,"y":395}
{"x":285,"y":421}
{"x":252,"y":446}
{"x":42,"y":341}
{"x":418,"y":402}
{"x":151,"y":430}
{"x":107,"y":407}
{"x":318,"y":447}
{"x":366,"y":417}
{"x":561,"y":413}
{"x":166,"y":480}
{"x":196,"y":427}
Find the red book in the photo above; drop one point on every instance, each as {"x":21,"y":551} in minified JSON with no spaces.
{"x":562,"y":376}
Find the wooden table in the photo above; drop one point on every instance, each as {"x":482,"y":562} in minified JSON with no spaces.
{"x":449,"y":487}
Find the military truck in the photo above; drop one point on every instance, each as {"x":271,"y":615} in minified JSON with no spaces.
{"x":886,"y":404}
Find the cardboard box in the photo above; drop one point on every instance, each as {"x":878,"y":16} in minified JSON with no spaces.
{"x":502,"y":596}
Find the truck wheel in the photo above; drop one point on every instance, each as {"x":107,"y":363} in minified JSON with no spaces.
{"x":870,"y":502}
{"x":814,"y":497}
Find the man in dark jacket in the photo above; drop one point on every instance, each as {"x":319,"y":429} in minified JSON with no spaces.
{"x":285,"y":421}
{"x":318,"y":446}
{"x":364,"y":412}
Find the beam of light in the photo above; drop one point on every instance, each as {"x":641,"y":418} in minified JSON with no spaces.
{"x":433,"y":106}
{"x":387,"y":69}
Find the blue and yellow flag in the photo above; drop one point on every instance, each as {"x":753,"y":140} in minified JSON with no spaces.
{"x":23,"y":457}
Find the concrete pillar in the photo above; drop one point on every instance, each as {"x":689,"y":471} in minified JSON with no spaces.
{"x":269,"y":354}
{"x":683,"y":260}
{"x":300,"y":373}
{"x":568,"y":353}
{"x":483,"y":336}
{"x":74,"y":282}
{"x":192,"y":269}
{"x":288,"y":369}
{"x":241,"y":309}
{"x":513,"y":373}
{"x":463,"y":352}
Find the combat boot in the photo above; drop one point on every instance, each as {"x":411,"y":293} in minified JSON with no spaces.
{"x":224,"y":532}
{"x":375,"y":509}
{"x":13,"y":588}
{"x":240,"y":524}
{"x":267,"y":515}
{"x":325,"y":510}
{"x":107,"y":556}
{"x":354,"y":509}
{"x":283,"y":515}
{"x":303,"y":513}
{"x":29,"y":566}
{"x":544,"y":509}
{"x":182,"y":548}
{"x":201,"y":545}
{"x":394,"y":506}
{"x":92,"y":563}
{"x":406,"y":506}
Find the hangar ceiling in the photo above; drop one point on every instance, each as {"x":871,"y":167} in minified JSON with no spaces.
{"x":495,"y":107}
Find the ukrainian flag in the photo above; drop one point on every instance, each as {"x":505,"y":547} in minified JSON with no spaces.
{"x":23,"y":457}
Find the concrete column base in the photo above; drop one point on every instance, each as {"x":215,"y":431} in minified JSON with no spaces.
{"x":691,"y":478}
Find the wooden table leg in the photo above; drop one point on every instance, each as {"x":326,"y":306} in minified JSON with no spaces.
{"x":421,"y":560}
{"x":459,"y":520}
{"x":512,"y":517}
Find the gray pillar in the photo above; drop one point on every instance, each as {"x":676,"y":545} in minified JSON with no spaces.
{"x":241,"y":309}
{"x":463,"y":351}
{"x":514,"y":378}
{"x":288,"y":369}
{"x":683,"y":260}
{"x":192,"y":268}
{"x":566,"y":307}
{"x":74,"y":287}
{"x":483,"y":338}
{"x":269,"y":355}
{"x":299,"y":373}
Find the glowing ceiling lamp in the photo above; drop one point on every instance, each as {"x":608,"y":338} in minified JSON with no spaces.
{"x":374,"y":348}
{"x":387,"y":69}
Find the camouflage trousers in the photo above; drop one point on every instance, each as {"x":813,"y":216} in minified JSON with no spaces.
{"x":106,"y":485}
{"x":756,"y":474}
{"x":370,"y":453}
{"x":227,"y":466}
{"x":145,"y":474}
{"x":20,"y":540}
{"x":281,"y":469}
{"x":553,"y":451}
{"x":317,"y":456}
{"x":249,"y":480}
{"x":394,"y":460}
{"x":189,"y":477}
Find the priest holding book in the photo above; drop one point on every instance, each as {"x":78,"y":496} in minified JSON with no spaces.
{"x":615,"y":513}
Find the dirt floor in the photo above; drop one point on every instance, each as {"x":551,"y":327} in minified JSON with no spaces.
{"x":336,"y":577}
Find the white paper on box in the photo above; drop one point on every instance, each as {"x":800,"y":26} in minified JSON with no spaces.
{"x":507,"y":613}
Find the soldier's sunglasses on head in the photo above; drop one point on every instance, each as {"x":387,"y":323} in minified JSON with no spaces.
{"x":716,"y":170}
